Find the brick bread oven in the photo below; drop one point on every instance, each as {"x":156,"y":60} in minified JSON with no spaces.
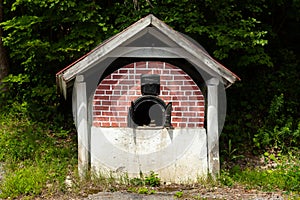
{"x":115,"y":93}
{"x":148,"y":99}
{"x":143,"y":146}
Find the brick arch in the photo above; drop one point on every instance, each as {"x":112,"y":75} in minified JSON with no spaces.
{"x":113,"y":96}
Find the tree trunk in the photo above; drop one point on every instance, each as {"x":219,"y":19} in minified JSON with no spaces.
{"x":3,"y":56}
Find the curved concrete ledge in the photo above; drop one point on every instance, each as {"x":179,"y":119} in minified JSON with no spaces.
{"x":178,"y":155}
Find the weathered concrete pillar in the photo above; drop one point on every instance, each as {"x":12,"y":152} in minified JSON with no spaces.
{"x":80,"y":101}
{"x":212,"y":127}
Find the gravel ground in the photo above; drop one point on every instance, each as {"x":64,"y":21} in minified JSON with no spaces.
{"x":129,"y":196}
{"x":219,"y":193}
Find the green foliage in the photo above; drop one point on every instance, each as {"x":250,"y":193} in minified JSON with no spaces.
{"x":137,"y":182}
{"x":225,"y":179}
{"x":231,"y":153}
{"x":46,"y":31}
{"x":271,"y":157}
{"x":178,"y":194}
{"x":42,"y":37}
{"x":152,"y":180}
{"x":286,"y":177}
{"x":145,"y":190}
{"x":39,"y":103}
{"x":224,"y":27}
{"x":23,"y":139}
{"x":256,"y":39}
{"x":141,"y":185}
{"x":264,"y":107}
{"x":141,"y":190}
{"x":27,"y":147}
{"x":278,"y":131}
{"x":25,"y":181}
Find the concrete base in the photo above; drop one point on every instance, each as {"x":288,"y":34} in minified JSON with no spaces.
{"x":177,"y":156}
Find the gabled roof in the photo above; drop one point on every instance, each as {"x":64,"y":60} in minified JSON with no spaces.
{"x":176,"y":43}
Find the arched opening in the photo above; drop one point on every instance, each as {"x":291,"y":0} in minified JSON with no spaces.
{"x":148,"y":111}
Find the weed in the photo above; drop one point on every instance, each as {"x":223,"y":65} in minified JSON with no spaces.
{"x":208,"y":181}
{"x":231,"y":153}
{"x":225,"y":179}
{"x":178,"y":194}
{"x":137,"y":182}
{"x":143,"y":190}
{"x":152,"y":180}
{"x":132,"y":189}
{"x":152,"y":192}
{"x":270,"y":157}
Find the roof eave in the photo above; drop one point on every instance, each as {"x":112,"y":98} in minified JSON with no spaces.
{"x":107,"y":46}
{"x":88,"y":60}
{"x":194,"y":50}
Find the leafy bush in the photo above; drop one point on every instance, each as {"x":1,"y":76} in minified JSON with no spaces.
{"x":279,"y":131}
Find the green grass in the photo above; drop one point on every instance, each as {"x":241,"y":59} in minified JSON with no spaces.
{"x":285,"y":177}
{"x":29,"y":180}
{"x":37,"y":157}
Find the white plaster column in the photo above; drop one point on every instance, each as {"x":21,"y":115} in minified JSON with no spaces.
{"x":80,"y":101}
{"x":212,"y":127}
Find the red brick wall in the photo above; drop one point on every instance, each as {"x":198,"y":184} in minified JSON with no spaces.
{"x":114,"y":94}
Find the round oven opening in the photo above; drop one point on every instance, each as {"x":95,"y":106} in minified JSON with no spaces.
{"x":148,"y":111}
